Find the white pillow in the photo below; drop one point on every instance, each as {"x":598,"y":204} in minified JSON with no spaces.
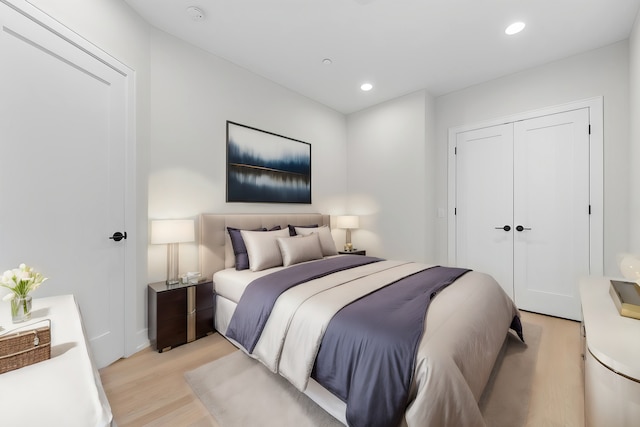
{"x":326,"y":239}
{"x":299,"y":249}
{"x":262,"y":248}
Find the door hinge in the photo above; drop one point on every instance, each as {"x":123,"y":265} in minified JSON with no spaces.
{"x":455,"y":211}
{"x":455,"y":151}
{"x":589,"y":129}
{"x":589,"y":209}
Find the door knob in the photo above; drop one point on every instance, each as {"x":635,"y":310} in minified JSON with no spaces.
{"x":505,"y":228}
{"x":521,"y":228}
{"x":117,"y":236}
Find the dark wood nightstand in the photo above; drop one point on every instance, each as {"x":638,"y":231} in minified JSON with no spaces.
{"x":353,"y":252}
{"x":178,"y":314}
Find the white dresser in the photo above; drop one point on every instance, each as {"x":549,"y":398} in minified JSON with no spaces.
{"x":62,"y":391}
{"x":612,"y":359}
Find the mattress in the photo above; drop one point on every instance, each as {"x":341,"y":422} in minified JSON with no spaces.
{"x":231,"y":283}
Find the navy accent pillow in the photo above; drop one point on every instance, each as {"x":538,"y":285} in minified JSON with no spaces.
{"x":240,"y":249}
{"x":292,"y":228}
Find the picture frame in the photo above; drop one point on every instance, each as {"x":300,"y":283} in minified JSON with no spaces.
{"x":264,"y":167}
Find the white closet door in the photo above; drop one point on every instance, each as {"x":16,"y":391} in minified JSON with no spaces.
{"x":551,"y":202}
{"x":63,"y":134}
{"x":484,"y":202}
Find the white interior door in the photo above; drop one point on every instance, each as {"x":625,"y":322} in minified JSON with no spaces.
{"x":551,"y":203}
{"x":484,"y":202}
{"x":63,"y":133}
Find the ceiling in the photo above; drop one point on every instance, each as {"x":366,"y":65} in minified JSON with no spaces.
{"x":399,"y":46}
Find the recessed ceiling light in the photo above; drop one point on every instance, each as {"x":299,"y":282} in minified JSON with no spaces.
{"x":366,"y":87}
{"x":195,"y":13}
{"x":514,"y":28}
{"x":327,"y":61}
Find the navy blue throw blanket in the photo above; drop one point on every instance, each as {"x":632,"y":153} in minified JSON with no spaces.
{"x":258,"y":299}
{"x":368,"y":352}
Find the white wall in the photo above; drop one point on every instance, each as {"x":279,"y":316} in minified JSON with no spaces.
{"x":602,"y":72}
{"x":391,"y":178}
{"x":193,"y":94}
{"x":634,"y":137}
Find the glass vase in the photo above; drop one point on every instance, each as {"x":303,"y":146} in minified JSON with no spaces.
{"x":20,"y":308}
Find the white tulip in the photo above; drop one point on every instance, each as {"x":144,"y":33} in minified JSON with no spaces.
{"x":22,"y":280}
{"x":36,"y":285}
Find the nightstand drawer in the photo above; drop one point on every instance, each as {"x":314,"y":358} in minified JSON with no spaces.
{"x":172,"y":303}
{"x":204,"y":296}
{"x":204,"y":322}
{"x":172,"y":331}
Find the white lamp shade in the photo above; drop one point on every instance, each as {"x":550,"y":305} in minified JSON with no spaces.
{"x":172,"y":231}
{"x":348,"y":221}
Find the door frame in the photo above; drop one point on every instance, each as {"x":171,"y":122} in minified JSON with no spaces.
{"x":131,"y":344}
{"x":596,"y":173}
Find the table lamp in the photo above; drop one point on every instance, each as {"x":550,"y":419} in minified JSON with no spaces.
{"x":630,"y":267}
{"x":348,"y":222}
{"x":172,"y":232}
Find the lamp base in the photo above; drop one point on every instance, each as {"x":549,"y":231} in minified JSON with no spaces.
{"x":173,"y":259}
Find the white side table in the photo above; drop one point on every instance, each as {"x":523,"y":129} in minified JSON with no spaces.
{"x":612,"y":358}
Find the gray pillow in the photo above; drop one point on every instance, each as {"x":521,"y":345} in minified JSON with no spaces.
{"x":326,"y":239}
{"x":299,"y":249}
{"x":262,"y":248}
{"x":292,"y":228}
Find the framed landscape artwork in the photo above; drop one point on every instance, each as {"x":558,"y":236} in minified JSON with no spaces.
{"x":263,"y":167}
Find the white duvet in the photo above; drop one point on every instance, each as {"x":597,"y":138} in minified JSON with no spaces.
{"x":466,"y":325}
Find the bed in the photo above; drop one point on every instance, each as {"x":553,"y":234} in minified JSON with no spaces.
{"x":299,"y":332}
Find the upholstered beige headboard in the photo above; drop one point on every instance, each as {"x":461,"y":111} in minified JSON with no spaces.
{"x":215,"y":245}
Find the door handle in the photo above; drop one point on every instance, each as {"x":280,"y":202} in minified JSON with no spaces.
{"x":521,"y":228}
{"x":505,"y":228}
{"x":117,"y":236}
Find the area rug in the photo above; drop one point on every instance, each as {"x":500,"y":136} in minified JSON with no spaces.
{"x":239,"y":391}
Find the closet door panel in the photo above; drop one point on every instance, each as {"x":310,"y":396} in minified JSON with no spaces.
{"x":484,"y":202}
{"x":551,"y":203}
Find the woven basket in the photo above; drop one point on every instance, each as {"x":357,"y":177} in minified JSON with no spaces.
{"x":25,"y":348}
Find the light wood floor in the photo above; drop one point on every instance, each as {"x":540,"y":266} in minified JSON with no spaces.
{"x":148,"y":389}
